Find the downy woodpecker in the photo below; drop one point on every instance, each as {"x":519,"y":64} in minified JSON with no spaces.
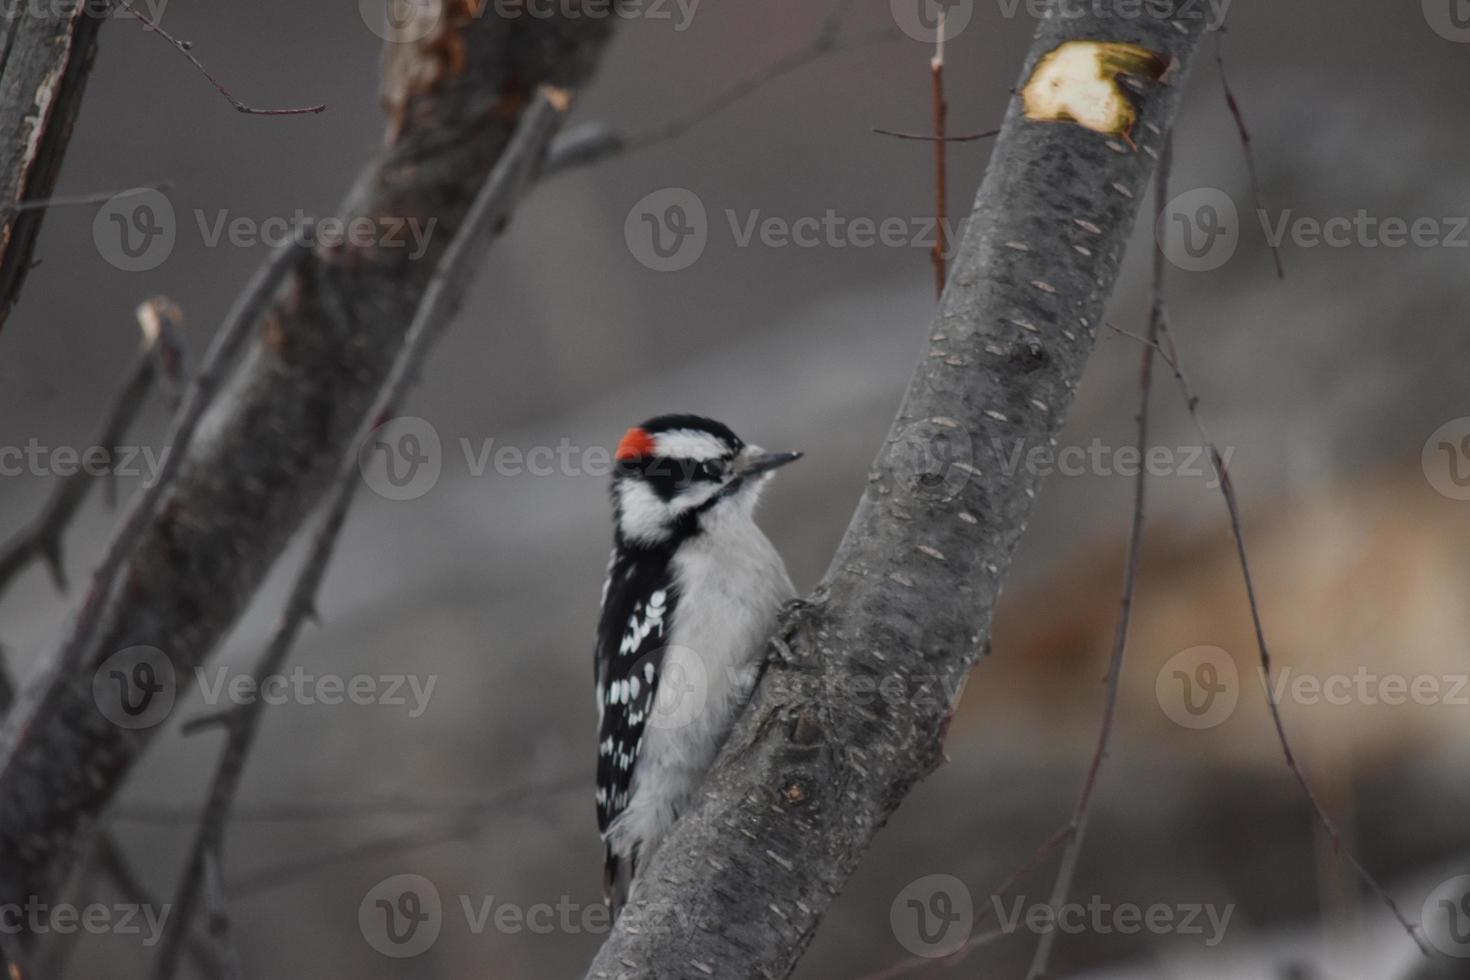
{"x":693,"y":592}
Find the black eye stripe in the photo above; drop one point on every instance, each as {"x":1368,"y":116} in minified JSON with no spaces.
{"x":668,"y":475}
{"x":712,"y":469}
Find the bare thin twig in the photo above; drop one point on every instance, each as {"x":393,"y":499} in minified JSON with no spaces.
{"x":1167,"y":350}
{"x":75,"y":200}
{"x":824,"y":43}
{"x":941,"y":139}
{"x":905,"y":967}
{"x":223,"y":352}
{"x":941,"y":188}
{"x":594,"y":142}
{"x":440,"y":301}
{"x":185,"y":48}
{"x":285,"y":873}
{"x":1245,"y":145}
{"x":217,"y":914}
{"x":1058,"y":837}
{"x":112,"y":862}
{"x":7,"y":686}
{"x":160,"y":319}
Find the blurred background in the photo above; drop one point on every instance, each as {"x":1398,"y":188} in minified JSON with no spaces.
{"x":1340,"y":391}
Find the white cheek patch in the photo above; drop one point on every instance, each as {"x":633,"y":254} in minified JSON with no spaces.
{"x":689,"y":444}
{"x":696,"y":496}
{"x":645,"y":517}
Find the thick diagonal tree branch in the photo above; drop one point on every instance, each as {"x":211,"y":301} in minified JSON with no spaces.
{"x":46,"y":54}
{"x":326,"y":345}
{"x":441,"y":299}
{"x":850,"y":714}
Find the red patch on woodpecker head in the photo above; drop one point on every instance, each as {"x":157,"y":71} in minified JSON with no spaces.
{"x":635,"y":444}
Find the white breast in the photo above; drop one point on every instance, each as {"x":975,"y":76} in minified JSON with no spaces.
{"x":731,"y":585}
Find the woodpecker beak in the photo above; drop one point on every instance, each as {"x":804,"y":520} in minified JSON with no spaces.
{"x":759,"y":461}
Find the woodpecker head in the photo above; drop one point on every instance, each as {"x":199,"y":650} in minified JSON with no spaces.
{"x":675,"y":472}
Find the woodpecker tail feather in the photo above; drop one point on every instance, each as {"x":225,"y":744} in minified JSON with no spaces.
{"x":617,"y":880}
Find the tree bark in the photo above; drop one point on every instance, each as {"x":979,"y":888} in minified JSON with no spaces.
{"x":46,"y":54}
{"x":326,"y":344}
{"x":851,"y":711}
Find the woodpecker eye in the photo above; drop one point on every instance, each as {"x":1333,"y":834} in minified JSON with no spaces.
{"x":713,"y":469}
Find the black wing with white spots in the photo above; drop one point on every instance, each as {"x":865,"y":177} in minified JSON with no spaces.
{"x":637,"y":610}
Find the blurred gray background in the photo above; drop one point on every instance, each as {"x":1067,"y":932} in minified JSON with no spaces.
{"x":1325,"y":385}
